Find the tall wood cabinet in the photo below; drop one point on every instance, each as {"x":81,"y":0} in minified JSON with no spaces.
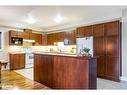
{"x":107,"y":48}
{"x":99,"y":48}
{"x":112,"y":32}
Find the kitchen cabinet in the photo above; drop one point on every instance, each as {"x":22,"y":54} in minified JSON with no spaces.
{"x":61,"y":37}
{"x":17,"y":61}
{"x":84,"y":31}
{"x":88,"y":30}
{"x":37,"y":38}
{"x":98,"y":30}
{"x":107,"y":48}
{"x":65,"y":72}
{"x":26,"y":34}
{"x":70,"y":36}
{"x":15,"y":38}
{"x":50,"y":39}
{"x":80,"y":32}
{"x":44,"y":39}
{"x":43,"y":69}
{"x":113,"y":50}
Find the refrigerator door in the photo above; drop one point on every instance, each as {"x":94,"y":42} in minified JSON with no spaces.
{"x":84,"y":42}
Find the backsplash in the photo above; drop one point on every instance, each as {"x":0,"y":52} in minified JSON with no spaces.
{"x":42,"y":48}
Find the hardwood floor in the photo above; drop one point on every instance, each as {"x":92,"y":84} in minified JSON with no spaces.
{"x":12,"y":80}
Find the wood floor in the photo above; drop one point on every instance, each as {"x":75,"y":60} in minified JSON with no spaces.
{"x":12,"y":80}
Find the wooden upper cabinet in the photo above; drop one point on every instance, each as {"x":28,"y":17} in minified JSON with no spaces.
{"x":80,"y":32}
{"x":60,"y":37}
{"x":70,"y":36}
{"x":98,"y":30}
{"x":88,"y":30}
{"x":37,"y":38}
{"x":25,"y":35}
{"x":44,"y":39}
{"x":84,"y":31}
{"x":112,"y":28}
{"x":50,"y":39}
{"x":13,"y":33}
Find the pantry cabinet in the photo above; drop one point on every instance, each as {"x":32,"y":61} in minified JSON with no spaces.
{"x":107,"y":48}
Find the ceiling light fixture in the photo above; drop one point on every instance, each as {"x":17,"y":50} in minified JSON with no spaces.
{"x":58,"y":19}
{"x":30,"y":19}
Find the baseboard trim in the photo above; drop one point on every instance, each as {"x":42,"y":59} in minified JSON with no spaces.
{"x":123,"y":78}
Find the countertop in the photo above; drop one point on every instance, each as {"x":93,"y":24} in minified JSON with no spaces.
{"x":16,"y":52}
{"x":60,"y":54}
{"x":65,"y":55}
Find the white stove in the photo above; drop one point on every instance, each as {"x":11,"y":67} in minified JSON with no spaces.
{"x":29,"y":60}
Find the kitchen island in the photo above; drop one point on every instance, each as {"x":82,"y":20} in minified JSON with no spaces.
{"x":63,"y":71}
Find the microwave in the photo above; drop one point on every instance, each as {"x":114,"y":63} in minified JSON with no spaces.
{"x":16,"y":40}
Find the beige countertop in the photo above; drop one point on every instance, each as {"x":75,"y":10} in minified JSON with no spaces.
{"x":16,"y":52}
{"x":60,"y":54}
{"x":64,"y":54}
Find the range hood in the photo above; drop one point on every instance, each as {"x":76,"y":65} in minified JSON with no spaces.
{"x":28,"y":41}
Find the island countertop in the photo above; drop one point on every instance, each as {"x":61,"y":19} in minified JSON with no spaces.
{"x":64,"y":54}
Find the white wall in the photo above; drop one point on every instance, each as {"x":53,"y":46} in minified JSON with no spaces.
{"x":124,"y":45}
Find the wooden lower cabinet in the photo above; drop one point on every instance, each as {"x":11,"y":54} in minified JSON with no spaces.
{"x":112,"y":68}
{"x":17,"y":61}
{"x":101,"y":66}
{"x":61,"y":72}
{"x":43,"y":69}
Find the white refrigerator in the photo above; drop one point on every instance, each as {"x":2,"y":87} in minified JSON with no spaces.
{"x":84,"y":42}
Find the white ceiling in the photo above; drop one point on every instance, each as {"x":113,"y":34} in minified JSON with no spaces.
{"x":15,"y":16}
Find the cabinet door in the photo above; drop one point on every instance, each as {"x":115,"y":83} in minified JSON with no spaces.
{"x":70,"y":36}
{"x":14,"y":62}
{"x":46,"y":70}
{"x":99,"y":51}
{"x":13,"y":34}
{"x":88,"y":30}
{"x":59,"y":72}
{"x":112,"y":28}
{"x":26,"y":35}
{"x":22,"y":60}
{"x":50,"y":39}
{"x":99,"y":46}
{"x":44,"y":39}
{"x":112,"y":68}
{"x":101,"y":66}
{"x":98,"y":30}
{"x":17,"y":61}
{"x":80,"y":32}
{"x":38,"y":39}
{"x":112,"y":46}
{"x":37,"y":70}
